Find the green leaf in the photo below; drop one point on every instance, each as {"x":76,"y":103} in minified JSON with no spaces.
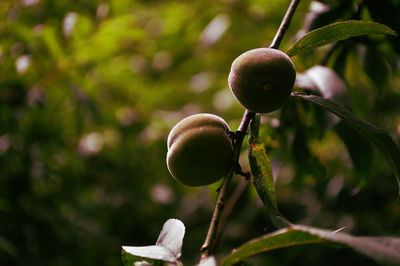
{"x":168,"y":246}
{"x":382,"y":141}
{"x":262,"y":177}
{"x":261,"y":170}
{"x":381,"y":249}
{"x":337,"y":32}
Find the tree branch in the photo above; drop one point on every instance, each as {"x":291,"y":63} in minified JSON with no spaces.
{"x":208,"y":245}
{"x":210,"y":241}
{"x":284,"y":24}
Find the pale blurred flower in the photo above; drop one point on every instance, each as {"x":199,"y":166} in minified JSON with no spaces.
{"x":91,"y":143}
{"x":22,"y":63}
{"x":200,"y":82}
{"x":223,"y":100}
{"x":102,"y":10}
{"x":162,"y":60}
{"x":126,"y":115}
{"x":161,"y":194}
{"x":29,"y":2}
{"x":215,"y":30}
{"x":4,"y":143}
{"x":69,"y":22}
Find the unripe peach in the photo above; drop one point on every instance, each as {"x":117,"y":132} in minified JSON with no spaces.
{"x":262,"y":79}
{"x":199,"y":150}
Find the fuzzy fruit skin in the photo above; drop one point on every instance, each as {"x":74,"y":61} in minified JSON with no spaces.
{"x":262,"y":79}
{"x":199,"y":150}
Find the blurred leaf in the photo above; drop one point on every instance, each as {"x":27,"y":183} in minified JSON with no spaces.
{"x":360,"y":150}
{"x":111,"y":36}
{"x":375,"y":135}
{"x":168,"y":246}
{"x":330,"y":85}
{"x":329,"y":12}
{"x":381,"y":249}
{"x":337,"y":32}
{"x":376,"y":67}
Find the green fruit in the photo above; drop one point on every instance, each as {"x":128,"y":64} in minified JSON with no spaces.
{"x":199,"y":150}
{"x":262,"y":79}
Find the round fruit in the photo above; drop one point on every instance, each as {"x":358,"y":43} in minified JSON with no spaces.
{"x":262,"y":79}
{"x":199,"y":150}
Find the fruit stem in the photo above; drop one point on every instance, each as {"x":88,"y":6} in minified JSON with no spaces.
{"x":210,"y":241}
{"x":284,"y":24}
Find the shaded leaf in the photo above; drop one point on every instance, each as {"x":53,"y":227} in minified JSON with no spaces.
{"x":381,"y":249}
{"x":360,"y":150}
{"x":373,"y":134}
{"x":376,"y":67}
{"x":337,"y":32}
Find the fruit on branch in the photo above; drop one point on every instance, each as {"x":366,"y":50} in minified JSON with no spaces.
{"x":199,"y":150}
{"x":262,"y":79}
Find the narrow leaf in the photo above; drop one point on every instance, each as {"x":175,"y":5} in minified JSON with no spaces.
{"x":282,"y":238}
{"x":382,"y":141}
{"x":337,"y":32}
{"x":261,"y":170}
{"x":381,"y":249}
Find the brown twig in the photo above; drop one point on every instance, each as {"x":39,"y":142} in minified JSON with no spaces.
{"x":210,"y":241}
{"x":284,"y":24}
{"x":208,"y":245}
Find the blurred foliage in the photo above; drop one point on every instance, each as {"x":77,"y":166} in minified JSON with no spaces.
{"x":90,"y":89}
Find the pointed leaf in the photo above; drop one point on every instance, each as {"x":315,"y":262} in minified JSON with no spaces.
{"x":382,"y":141}
{"x":171,"y":237}
{"x":261,"y":170}
{"x":337,"y":32}
{"x":381,"y":249}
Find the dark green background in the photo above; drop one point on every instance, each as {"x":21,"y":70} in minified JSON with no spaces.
{"x":90,"y":89}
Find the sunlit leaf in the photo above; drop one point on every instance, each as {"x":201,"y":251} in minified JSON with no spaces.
{"x":210,"y":261}
{"x":382,"y":141}
{"x":381,"y":249}
{"x":168,"y":247}
{"x":171,"y":237}
{"x":261,"y":171}
{"x":330,"y":85}
{"x":262,"y":177}
{"x":337,"y":32}
{"x":151,"y":254}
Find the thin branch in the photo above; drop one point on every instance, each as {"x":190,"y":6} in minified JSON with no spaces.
{"x":284,"y":24}
{"x":230,"y":205}
{"x":210,"y":241}
{"x":208,"y":245}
